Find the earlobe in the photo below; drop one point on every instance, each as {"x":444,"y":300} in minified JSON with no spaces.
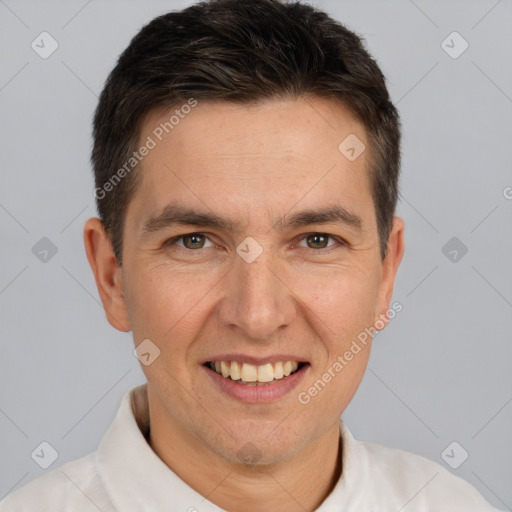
{"x":107,"y":273}
{"x":390,"y":266}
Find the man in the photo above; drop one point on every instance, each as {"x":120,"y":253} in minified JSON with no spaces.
{"x":246,"y":158}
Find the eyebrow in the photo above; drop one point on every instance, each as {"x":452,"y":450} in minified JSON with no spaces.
{"x":182,"y":215}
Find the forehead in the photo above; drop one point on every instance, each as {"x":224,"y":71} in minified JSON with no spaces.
{"x":239,"y":158}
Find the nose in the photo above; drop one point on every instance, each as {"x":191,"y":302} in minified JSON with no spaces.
{"x":257,"y":300}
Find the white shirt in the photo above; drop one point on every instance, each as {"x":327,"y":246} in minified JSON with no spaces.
{"x":125,"y":475}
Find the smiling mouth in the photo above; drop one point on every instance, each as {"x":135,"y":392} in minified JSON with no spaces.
{"x":254,"y":375}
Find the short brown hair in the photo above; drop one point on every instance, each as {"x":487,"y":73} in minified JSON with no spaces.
{"x":243,"y":52}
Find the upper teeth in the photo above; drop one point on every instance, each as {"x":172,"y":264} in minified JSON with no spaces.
{"x":250,"y":373}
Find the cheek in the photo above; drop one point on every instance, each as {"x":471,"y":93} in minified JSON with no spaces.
{"x":165,"y":303}
{"x":345,"y":301}
{"x":343,"y":298}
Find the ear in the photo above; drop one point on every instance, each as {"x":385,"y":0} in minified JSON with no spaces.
{"x":395,"y":251}
{"x":106,"y":273}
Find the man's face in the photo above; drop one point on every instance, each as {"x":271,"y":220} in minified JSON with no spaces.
{"x":260,"y":290}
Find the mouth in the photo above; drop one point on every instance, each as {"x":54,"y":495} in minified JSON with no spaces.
{"x":252,"y":383}
{"x":255,"y":375}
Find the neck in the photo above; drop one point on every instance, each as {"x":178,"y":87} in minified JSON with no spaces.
{"x":300,"y":483}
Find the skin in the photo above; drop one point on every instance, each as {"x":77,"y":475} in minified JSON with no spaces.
{"x":253,"y":165}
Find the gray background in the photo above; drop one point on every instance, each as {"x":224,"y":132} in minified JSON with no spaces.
{"x":441,"y":372}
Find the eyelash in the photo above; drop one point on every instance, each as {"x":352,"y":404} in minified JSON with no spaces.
{"x":340,"y":241}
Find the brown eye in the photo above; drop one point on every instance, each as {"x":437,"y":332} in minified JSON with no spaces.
{"x":193,"y":240}
{"x":189,"y":241}
{"x":317,"y":240}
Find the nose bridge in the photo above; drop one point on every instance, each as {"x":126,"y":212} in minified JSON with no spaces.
{"x":256,"y":299}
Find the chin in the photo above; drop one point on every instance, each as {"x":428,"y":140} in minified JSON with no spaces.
{"x":267,"y":448}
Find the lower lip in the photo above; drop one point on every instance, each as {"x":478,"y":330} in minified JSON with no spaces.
{"x":258,"y":394}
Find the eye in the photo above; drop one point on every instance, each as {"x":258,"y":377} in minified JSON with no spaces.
{"x":191,"y":241}
{"x":320,"y":240}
